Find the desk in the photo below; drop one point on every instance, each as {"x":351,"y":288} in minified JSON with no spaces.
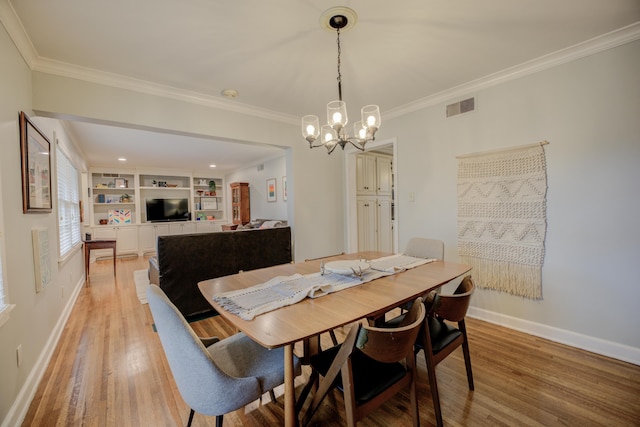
{"x":98,"y":244}
{"x":311,"y":317}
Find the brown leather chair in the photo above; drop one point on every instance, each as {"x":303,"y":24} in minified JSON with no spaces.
{"x":374,"y":364}
{"x":440,"y":338}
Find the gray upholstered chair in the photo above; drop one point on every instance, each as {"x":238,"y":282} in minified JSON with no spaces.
{"x":421,"y":247}
{"x":220,"y":378}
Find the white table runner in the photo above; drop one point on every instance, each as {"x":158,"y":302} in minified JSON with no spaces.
{"x":281,"y":291}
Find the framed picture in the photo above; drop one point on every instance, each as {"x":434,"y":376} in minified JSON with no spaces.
{"x":284,"y":188}
{"x":271,"y":190}
{"x":120,"y":182}
{"x":35,"y":150}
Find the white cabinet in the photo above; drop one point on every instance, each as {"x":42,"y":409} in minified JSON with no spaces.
{"x":374,"y":175}
{"x":366,"y":209}
{"x":119,"y":201}
{"x":384,"y":176}
{"x":365,"y":174}
{"x":208,"y":203}
{"x":374,"y":187}
{"x":375,"y":228}
{"x":181,"y":228}
{"x":126,"y":239}
{"x":148,"y":235}
{"x":112,"y":198}
{"x":207,"y":227}
{"x":384,"y":225}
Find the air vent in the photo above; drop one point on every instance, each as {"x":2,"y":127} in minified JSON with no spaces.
{"x":110,"y":175}
{"x":461,"y":107}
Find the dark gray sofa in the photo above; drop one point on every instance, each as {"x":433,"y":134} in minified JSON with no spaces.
{"x":184,"y":260}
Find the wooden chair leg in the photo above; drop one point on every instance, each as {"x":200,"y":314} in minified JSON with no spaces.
{"x":415,"y":414}
{"x":333,"y":337}
{"x":313,"y":380}
{"x":190,"y":418}
{"x":467,"y":355}
{"x":433,"y":383}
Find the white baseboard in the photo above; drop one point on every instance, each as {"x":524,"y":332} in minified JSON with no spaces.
{"x":20,"y":406}
{"x":595,"y":345}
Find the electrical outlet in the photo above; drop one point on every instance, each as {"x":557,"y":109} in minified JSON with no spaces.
{"x":19,"y":355}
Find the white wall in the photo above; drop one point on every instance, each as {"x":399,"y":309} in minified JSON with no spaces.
{"x":38,"y":318}
{"x":589,"y":111}
{"x":257,"y":176}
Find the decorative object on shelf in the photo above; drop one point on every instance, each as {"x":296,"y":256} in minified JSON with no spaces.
{"x":125,"y":198}
{"x":101,"y":198}
{"x":212,"y":187}
{"x":35,"y":150}
{"x":120,"y":183}
{"x":200,"y":192}
{"x":209,"y":204}
{"x":119,"y":216}
{"x":202,"y":181}
{"x":333,"y":133}
{"x":271,"y":190}
{"x":162,"y":184}
{"x":103,"y":222}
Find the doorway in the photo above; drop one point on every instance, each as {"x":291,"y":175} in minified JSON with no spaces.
{"x":383,"y":207}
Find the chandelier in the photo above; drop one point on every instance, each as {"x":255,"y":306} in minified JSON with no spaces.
{"x":334,"y":133}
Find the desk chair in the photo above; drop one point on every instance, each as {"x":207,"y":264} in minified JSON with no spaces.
{"x":374,"y":364}
{"x":222,"y":377}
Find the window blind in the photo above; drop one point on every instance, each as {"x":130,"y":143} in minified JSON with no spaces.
{"x":68,"y":203}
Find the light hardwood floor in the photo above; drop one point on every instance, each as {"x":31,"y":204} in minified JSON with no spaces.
{"x":109,"y":370}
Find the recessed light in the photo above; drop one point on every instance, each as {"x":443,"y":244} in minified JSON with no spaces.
{"x":230,"y":93}
{"x":122,"y":159}
{"x":212,"y":166}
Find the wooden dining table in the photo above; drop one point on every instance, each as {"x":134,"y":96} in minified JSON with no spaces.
{"x":309,"y":318}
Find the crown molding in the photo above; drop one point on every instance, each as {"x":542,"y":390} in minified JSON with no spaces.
{"x":18,"y":34}
{"x":598,"y":44}
{"x":63,"y":69}
{"x":16,"y":31}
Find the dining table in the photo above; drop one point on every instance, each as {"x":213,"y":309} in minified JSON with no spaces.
{"x":306,"y":320}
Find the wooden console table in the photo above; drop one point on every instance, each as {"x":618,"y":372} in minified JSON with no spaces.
{"x":98,"y":244}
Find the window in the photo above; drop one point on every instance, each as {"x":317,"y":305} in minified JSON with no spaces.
{"x":68,"y":203}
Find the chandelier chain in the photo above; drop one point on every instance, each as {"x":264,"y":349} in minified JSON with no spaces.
{"x":339,"y":73}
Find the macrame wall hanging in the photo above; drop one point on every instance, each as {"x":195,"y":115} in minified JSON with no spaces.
{"x":502,"y":218}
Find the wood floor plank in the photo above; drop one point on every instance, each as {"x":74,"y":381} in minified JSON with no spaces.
{"x":109,"y":369}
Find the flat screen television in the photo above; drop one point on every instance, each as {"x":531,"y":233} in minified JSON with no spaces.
{"x":167,"y":210}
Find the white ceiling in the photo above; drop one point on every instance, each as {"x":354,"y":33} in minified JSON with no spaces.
{"x":280,"y":59}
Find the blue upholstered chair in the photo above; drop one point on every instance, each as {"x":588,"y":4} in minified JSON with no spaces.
{"x":220,"y":378}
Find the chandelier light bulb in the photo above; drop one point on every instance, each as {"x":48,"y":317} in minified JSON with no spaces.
{"x":310,"y":129}
{"x":337,"y":117}
{"x":371,"y":121}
